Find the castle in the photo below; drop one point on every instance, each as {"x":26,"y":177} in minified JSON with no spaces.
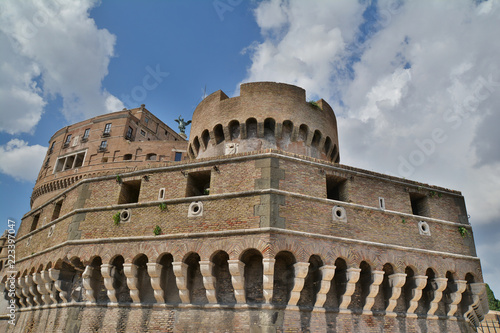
{"x":251,"y":225}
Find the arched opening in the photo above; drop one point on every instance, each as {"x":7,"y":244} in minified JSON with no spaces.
{"x":151,"y":157}
{"x":284,"y":275}
{"x":427,"y":292}
{"x":334,"y":154}
{"x":196,"y":145}
{"x":312,"y":283}
{"x":251,"y":126}
{"x":197,"y":291}
{"x":191,"y":151}
{"x":253,"y":276}
{"x":407,"y":289}
{"x":120,"y":286}
{"x":234,"y":129}
{"x":269,"y":127}
{"x":218,"y":134}
{"x":146,"y":293}
{"x":316,"y":138}
{"x":386,"y":286}
{"x":223,"y":287}
{"x":450,"y":288}
{"x":168,"y":283}
{"x":205,"y":137}
{"x":327,"y":146}
{"x":71,"y":279}
{"x":100,"y":292}
{"x":362,"y":286}
{"x":338,"y":284}
{"x":286,"y":132}
{"x":303,"y":129}
{"x":467,"y":294}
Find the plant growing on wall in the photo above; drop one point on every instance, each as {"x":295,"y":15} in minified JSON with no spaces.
{"x":118,"y":179}
{"x":162,"y":206}
{"x":314,"y":104}
{"x":116,"y":218}
{"x":463,"y":232}
{"x":157,"y":230}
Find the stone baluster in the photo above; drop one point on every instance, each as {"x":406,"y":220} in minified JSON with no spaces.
{"x":419,"y":283}
{"x":439,"y":284}
{"x":479,"y":307}
{"x":24,"y":291}
{"x":456,"y":296}
{"x":54,"y":276}
{"x":327,"y":274}
{"x":301,"y":269}
{"x":91,"y":284}
{"x":108,"y":273}
{"x":130,"y":271}
{"x":49,"y":286}
{"x":206,"y":268}
{"x":396,"y":281}
{"x":352,"y":276}
{"x":268,"y":278}
{"x":19,"y":293}
{"x":154,"y":271}
{"x":376,"y":280}
{"x":40,"y":287}
{"x":237,"y":270}
{"x":180,"y":272}
{"x":32,"y":289}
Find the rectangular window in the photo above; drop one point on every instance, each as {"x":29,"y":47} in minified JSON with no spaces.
{"x":198,"y":183}
{"x":86,"y":134}
{"x":52,"y":147}
{"x":103,"y":145}
{"x":70,"y":161}
{"x":128,"y":136}
{"x":34,"y":223}
{"x":68,"y":139}
{"x":129,"y":192}
{"x":143,"y":133}
{"x":336,"y":188}
{"x":57,"y":210}
{"x":419,"y":204}
{"x":381,"y":203}
{"x":146,"y":120}
{"x":178,"y":156}
{"x":107,"y":129}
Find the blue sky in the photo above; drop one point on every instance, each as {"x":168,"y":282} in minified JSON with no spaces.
{"x":414,"y":84}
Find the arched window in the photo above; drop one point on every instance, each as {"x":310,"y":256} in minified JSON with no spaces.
{"x":251,"y":125}
{"x":218,"y":134}
{"x":253,"y":276}
{"x":234,"y":129}
{"x":205,"y":137}
{"x":303,"y":129}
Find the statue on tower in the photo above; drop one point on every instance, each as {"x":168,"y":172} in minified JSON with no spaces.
{"x":182,"y":124}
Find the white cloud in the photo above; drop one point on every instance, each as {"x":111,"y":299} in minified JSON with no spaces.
{"x":52,"y":48}
{"x":21,"y":161}
{"x":421,"y":87}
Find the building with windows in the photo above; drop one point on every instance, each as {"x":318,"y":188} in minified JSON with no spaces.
{"x":251,"y":225}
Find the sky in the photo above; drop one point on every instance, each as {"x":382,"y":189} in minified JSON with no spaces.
{"x":414,"y":84}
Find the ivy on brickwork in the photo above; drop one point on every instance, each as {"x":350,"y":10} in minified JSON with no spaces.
{"x":157,"y":230}
{"x":116,"y":218}
{"x":463,"y":232}
{"x":163,"y":206}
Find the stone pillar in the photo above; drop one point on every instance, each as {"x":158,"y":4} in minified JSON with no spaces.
{"x":352,"y":275}
{"x":91,"y":284}
{"x":130,"y":271}
{"x":54,"y":276}
{"x":108,"y":273}
{"x":419,"y":283}
{"x":456,"y":296}
{"x":438,"y":285}
{"x":377,"y":278}
{"x":32,"y":289}
{"x":237,"y":270}
{"x":301,"y":269}
{"x":40,"y":287}
{"x":154,"y":271}
{"x":180,"y":271}
{"x":327,"y":273}
{"x":396,"y":281}
{"x":208,"y":280}
{"x":268,"y":281}
{"x":49,"y":286}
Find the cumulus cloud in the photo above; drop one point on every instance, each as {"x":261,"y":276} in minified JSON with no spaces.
{"x":415,"y":87}
{"x":21,"y":161}
{"x":50,"y":49}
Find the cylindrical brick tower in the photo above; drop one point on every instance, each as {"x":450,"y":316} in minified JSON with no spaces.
{"x":265,"y":115}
